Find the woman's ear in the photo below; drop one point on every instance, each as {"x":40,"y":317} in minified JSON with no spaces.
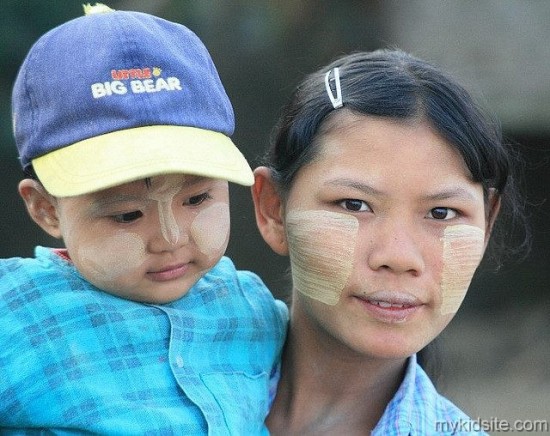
{"x":268,"y":207}
{"x":493,"y":205}
{"x":41,"y":206}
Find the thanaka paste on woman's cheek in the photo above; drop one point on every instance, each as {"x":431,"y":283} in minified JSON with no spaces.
{"x":321,"y":245}
{"x":463,"y":247}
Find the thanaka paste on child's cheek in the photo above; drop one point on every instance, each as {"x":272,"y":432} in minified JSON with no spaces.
{"x":127,"y":248}
{"x":210,"y":229}
{"x":321,"y":246}
{"x":463,"y":247}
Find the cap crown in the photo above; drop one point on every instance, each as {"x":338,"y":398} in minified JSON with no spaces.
{"x":113,"y":71}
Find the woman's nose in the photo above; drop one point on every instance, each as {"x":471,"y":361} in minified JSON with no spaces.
{"x":395,"y":246}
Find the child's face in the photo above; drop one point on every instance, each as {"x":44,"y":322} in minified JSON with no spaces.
{"x":147,"y":242}
{"x":385,"y":229}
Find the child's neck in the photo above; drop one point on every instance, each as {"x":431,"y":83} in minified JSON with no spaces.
{"x":329,"y":391}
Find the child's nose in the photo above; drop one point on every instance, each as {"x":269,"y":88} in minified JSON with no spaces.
{"x":168,"y":239}
{"x":169,"y":234}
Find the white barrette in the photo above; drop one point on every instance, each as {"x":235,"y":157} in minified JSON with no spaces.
{"x":336,"y":101}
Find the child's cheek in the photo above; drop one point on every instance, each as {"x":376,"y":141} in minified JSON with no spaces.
{"x":210,"y":230}
{"x":463,"y":248}
{"x":112,"y":258}
{"x":321,"y":246}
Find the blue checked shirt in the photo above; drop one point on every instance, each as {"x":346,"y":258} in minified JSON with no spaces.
{"x":418,"y":410}
{"x":75,"y":359}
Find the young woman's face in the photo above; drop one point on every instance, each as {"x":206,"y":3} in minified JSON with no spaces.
{"x":147,"y":241}
{"x":385,"y":229}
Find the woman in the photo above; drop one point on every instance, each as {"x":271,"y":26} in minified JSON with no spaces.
{"x":383,"y":186}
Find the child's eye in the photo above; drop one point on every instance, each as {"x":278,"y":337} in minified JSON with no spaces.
{"x":128,"y":217}
{"x":442,"y":213}
{"x":354,"y":205}
{"x":198,"y":199}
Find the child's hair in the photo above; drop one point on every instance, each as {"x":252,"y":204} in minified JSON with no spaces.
{"x":396,"y":85}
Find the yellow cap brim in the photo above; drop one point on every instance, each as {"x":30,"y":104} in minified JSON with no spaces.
{"x":127,"y":155}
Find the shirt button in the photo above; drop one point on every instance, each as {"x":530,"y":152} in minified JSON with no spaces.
{"x":179,"y":361}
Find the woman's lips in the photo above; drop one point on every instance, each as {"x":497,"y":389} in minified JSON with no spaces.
{"x":169,"y":273}
{"x":390,"y":307}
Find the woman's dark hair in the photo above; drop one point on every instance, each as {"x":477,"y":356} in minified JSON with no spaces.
{"x":393,"y":84}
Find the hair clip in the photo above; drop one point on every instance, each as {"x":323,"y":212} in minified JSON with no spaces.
{"x":336,"y":101}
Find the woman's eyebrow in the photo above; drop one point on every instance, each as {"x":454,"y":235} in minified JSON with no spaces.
{"x":452,"y":193}
{"x":444,"y":194}
{"x":354,"y":184}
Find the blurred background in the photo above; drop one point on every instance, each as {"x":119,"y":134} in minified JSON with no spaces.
{"x":495,"y":354}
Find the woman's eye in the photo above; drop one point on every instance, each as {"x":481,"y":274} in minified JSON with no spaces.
{"x":198,"y":199}
{"x":128,"y":217}
{"x":442,"y":213}
{"x":354,"y":205}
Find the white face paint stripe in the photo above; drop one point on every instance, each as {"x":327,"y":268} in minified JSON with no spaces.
{"x":321,"y":245}
{"x":164,"y":195}
{"x":463,"y":247}
{"x":168,"y":224}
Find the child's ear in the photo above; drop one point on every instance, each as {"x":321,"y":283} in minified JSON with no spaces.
{"x":268,"y":207}
{"x":42,"y":206}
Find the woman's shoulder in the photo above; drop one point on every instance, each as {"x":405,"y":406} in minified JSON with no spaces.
{"x":418,"y":408}
{"x":425,"y":390}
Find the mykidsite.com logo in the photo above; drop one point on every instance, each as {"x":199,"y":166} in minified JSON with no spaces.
{"x":492,"y":425}
{"x":135,"y":81}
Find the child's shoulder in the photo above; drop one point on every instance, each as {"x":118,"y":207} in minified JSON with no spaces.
{"x":21,"y":266}
{"x":44,"y":259}
{"x":47,"y":275}
{"x":244,"y":286}
{"x":244,"y":280}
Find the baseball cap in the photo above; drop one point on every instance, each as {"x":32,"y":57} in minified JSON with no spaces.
{"x":117,"y":96}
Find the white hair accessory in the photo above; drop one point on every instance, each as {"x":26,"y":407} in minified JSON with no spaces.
{"x":336,"y":101}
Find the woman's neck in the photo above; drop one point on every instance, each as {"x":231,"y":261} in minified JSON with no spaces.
{"x":327,"y":388}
